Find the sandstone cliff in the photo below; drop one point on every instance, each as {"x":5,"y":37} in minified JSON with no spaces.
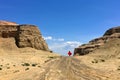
{"x":24,"y":35}
{"x":113,"y":33}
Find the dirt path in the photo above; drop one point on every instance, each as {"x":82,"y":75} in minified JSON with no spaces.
{"x":66,"y":68}
{"x":70,"y":68}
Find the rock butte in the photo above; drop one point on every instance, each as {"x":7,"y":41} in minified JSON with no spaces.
{"x":113,"y":33}
{"x":24,"y":35}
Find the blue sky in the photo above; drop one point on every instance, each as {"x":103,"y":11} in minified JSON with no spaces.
{"x":65,"y":24}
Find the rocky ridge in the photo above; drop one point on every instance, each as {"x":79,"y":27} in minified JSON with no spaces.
{"x":113,"y":33}
{"x":24,"y":35}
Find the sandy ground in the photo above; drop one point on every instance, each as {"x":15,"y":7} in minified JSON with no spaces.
{"x":41,"y":65}
{"x":32,"y":64}
{"x":21,"y":61}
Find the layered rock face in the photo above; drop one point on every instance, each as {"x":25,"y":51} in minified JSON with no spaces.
{"x":29,"y":36}
{"x":24,"y":35}
{"x":94,"y":44}
{"x":7,"y":31}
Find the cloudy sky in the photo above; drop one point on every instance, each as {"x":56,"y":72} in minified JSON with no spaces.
{"x":60,"y":45}
{"x":64,"y":24}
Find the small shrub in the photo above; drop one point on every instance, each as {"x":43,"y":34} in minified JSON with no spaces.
{"x":118,"y":57}
{"x":118,"y":44}
{"x":51,"y":51}
{"x":39,"y":66}
{"x":34,"y":65}
{"x":26,"y":64}
{"x":47,"y":60}
{"x":118,"y":68}
{"x":50,"y":57}
{"x":26,"y":69}
{"x":8,"y":67}
{"x":1,"y":65}
{"x":0,"y":68}
{"x":102,"y":60}
{"x":16,"y":71}
{"x":92,"y":61}
{"x":95,"y":61}
{"x":7,"y":64}
{"x":14,"y":65}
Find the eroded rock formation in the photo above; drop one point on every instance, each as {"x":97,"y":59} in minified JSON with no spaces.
{"x":24,"y":35}
{"x":98,"y":42}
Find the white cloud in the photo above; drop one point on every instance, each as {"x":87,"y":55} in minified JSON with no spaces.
{"x":72,"y":43}
{"x":59,"y":45}
{"x":53,"y":39}
{"x":48,"y":38}
{"x":61,"y":39}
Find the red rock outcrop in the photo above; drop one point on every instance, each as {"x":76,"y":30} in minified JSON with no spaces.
{"x":96,"y":43}
{"x":24,"y":35}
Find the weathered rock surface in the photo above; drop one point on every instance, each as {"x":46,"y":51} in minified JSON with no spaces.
{"x":94,"y":44}
{"x":24,"y":35}
{"x":7,"y":23}
{"x":112,"y":31}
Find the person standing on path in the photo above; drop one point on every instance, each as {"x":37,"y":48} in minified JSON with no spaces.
{"x":69,"y":53}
